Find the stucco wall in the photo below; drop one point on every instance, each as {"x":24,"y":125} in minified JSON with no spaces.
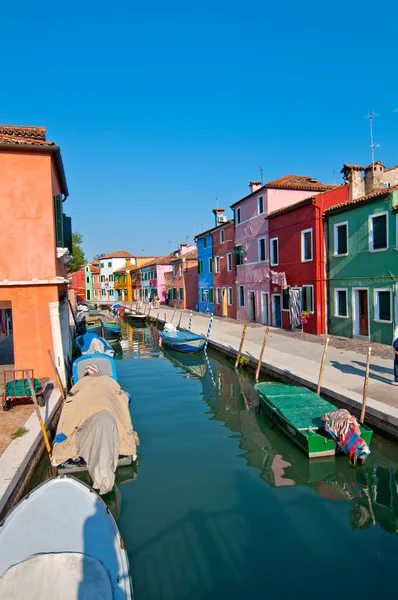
{"x":205,"y":279}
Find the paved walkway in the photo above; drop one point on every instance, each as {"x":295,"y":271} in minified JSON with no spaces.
{"x":300,"y":355}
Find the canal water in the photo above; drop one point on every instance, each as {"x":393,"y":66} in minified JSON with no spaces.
{"x":221,"y":505}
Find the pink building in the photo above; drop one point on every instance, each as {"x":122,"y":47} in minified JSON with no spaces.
{"x":255,"y":269}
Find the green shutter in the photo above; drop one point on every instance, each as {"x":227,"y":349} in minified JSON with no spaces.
{"x":59,"y":225}
{"x":181,"y":293}
{"x":211,"y":297}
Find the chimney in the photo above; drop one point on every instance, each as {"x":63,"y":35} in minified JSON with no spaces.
{"x":254,"y":186}
{"x":352,"y":177}
{"x":218,"y":212}
{"x":183,"y":249}
{"x":374,"y":177}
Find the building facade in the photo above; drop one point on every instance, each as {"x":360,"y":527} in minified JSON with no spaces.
{"x":78,"y":284}
{"x":108,"y":265}
{"x":252,"y":240}
{"x":363,"y":266}
{"x":184,"y":291}
{"x":35,"y":249}
{"x":224,"y":269}
{"x":204,"y":242}
{"x":297,"y":252}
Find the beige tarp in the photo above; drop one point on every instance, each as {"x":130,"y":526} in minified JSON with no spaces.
{"x":90,"y":395}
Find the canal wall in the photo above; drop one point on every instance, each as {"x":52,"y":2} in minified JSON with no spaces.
{"x":297,"y":361}
{"x":19,"y":460}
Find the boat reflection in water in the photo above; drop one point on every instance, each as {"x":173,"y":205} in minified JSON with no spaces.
{"x":372,"y":489}
{"x":194,"y":364}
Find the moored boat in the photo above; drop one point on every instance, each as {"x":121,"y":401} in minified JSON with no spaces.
{"x":92,"y":343}
{"x":62,"y":538}
{"x":135,"y":317}
{"x":111,"y":331}
{"x":183,"y":341}
{"x":104,"y":362}
{"x":298,"y":412}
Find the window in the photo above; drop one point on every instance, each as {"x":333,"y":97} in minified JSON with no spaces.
{"x":88,"y":279}
{"x":261,"y":249}
{"x":180,"y":269}
{"x":286,"y":299}
{"x":274,"y":258}
{"x":200,"y":267}
{"x":307,"y":303}
{"x":306,"y":245}
{"x":341,"y":239}
{"x":229,"y":262}
{"x":340,"y":303}
{"x":110,"y":277}
{"x":260,"y":205}
{"x":383,"y":310}
{"x":217,"y":264}
{"x":237,"y":215}
{"x":202,"y":295}
{"x":109,"y":264}
{"x":102,"y":278}
{"x":59,"y":226}
{"x":241,"y":295}
{"x":210,"y":265}
{"x":111,"y":292}
{"x":88,"y":295}
{"x":222,"y":236}
{"x":174,"y":270}
{"x":103,"y":292}
{"x":181,"y":293}
{"x":125,"y":278}
{"x":205,"y":242}
{"x":218,"y":299}
{"x":174,"y":293}
{"x":102,"y":265}
{"x":211,"y":295}
{"x":239,"y":254}
{"x":386,"y":185}
{"x":378,"y":238}
{"x":230,"y":298}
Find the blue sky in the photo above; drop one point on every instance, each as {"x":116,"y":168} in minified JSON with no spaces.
{"x":161,"y":107}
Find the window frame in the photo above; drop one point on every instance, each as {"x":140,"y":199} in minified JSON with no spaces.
{"x":303,"y":232}
{"x":309,"y":285}
{"x":211,"y":266}
{"x":230,"y":296}
{"x":288,"y":299}
{"x":200,"y":267}
{"x":271,"y":257}
{"x":181,"y":294}
{"x":336,"y":304}
{"x":238,"y":216}
{"x":336,"y":238}
{"x":217,"y":264}
{"x":262,"y":239}
{"x":222,"y":236}
{"x":229,"y":262}
{"x":370,"y":231}
{"x":241,"y":296}
{"x":109,"y":265}
{"x":218,"y":296}
{"x":205,"y":242}
{"x":211,"y":295}
{"x":260,"y":198}
{"x":377,"y":306}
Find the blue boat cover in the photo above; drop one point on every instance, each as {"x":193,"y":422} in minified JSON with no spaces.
{"x":181,"y":336}
{"x":104,"y":362}
{"x":83,"y":342}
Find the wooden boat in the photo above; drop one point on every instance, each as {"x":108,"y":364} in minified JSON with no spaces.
{"x":297,"y":411}
{"x":135,"y":317}
{"x":183,"y":341}
{"x":111,"y":331}
{"x":87,"y":341}
{"x":93,"y":325}
{"x":104,"y":362}
{"x":64,"y":530}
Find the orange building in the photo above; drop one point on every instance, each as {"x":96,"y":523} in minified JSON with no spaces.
{"x":35,"y":246}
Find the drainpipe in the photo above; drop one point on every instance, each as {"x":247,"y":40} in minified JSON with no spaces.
{"x":57,"y":340}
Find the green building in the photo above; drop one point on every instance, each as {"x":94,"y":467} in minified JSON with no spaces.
{"x":88,"y":278}
{"x":363,"y":266}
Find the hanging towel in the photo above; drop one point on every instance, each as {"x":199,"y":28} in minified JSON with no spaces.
{"x":294,"y":307}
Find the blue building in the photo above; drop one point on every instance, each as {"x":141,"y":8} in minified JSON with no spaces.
{"x":204,"y":243}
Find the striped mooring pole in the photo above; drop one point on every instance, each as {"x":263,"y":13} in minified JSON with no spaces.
{"x":190,"y":321}
{"x":208,"y":330}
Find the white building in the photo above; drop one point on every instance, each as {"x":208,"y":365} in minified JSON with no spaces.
{"x":108,"y":265}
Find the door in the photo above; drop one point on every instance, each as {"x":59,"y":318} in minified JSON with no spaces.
{"x":363,"y":312}
{"x":276,"y":310}
{"x":224,"y":305}
{"x":264,"y":308}
{"x":252,"y":307}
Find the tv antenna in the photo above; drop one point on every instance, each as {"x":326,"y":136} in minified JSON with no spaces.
{"x":216,"y":199}
{"x":262,"y":174}
{"x":373,"y":145}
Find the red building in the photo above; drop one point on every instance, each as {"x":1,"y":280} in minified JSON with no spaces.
{"x":185,"y":278}
{"x":298,"y":264}
{"x":79,"y":284}
{"x":224,"y":270}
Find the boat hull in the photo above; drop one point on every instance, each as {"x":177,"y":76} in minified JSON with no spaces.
{"x":183,"y":346}
{"x":68,"y":469}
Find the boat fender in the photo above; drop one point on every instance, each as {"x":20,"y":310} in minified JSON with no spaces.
{"x":129,"y":398}
{"x":59,"y":438}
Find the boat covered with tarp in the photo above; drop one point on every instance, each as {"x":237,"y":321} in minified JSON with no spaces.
{"x":95,"y":431}
{"x":92,"y":343}
{"x":103,"y":362}
{"x":111,"y":331}
{"x":61,"y":541}
{"x":315,"y":425}
{"x":183,"y":341}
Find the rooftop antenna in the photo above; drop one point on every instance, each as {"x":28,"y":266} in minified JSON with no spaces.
{"x":373,"y":145}
{"x":216,"y":199}
{"x":170,"y":245}
{"x":334,"y":176}
{"x":262,"y":173}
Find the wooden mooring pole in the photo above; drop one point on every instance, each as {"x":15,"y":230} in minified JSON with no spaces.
{"x":179,"y":322}
{"x":318,"y":391}
{"x":57,"y":377}
{"x":38,"y":413}
{"x":172,"y":318}
{"x":241,"y":345}
{"x":260,"y":360}
{"x":365,"y":385}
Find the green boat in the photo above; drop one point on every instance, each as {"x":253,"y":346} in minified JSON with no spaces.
{"x":297,"y":412}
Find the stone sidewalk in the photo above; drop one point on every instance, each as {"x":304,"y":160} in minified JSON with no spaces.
{"x":298,"y":356}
